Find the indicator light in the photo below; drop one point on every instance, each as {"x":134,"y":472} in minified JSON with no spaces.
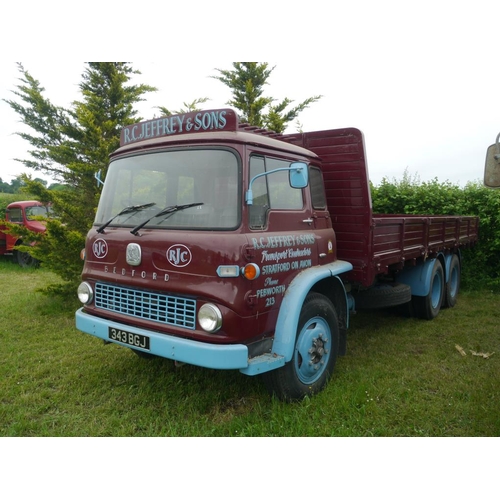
{"x":251,"y":271}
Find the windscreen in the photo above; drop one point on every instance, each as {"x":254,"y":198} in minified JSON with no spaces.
{"x":209,"y":178}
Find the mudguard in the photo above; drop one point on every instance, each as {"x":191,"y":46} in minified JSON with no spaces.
{"x":419,"y":277}
{"x":288,"y":317}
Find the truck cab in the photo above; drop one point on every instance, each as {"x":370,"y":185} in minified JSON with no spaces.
{"x":198,"y":237}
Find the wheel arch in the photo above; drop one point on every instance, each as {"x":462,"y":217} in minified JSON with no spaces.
{"x":322,"y":279}
{"x":17,"y":243}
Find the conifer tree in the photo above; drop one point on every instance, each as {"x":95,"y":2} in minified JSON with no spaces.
{"x":247,"y":81}
{"x":189,"y":107}
{"x":71,"y":146}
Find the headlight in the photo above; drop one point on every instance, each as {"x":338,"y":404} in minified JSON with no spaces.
{"x":85,"y":293}
{"x":210,"y":318}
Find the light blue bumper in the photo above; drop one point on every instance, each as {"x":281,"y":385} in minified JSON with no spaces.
{"x":217,"y":356}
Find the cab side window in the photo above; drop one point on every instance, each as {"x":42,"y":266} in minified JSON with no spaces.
{"x":317,"y":187}
{"x":271,"y":191}
{"x":260,"y":205}
{"x":281,"y":194}
{"x":15,"y":215}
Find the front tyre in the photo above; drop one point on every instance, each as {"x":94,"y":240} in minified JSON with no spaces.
{"x":315,"y":352}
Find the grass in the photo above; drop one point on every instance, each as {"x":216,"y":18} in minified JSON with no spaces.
{"x":401,"y":377}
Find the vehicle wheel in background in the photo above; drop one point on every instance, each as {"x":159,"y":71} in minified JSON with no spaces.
{"x":24,"y":259}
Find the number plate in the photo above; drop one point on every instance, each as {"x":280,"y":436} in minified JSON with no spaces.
{"x":131,"y":339}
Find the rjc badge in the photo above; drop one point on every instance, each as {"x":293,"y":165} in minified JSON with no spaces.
{"x":179,"y":255}
{"x":100,"y":248}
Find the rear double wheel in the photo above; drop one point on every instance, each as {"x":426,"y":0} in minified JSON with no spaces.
{"x":453,"y":285}
{"x":315,"y":352}
{"x":428,"y":307}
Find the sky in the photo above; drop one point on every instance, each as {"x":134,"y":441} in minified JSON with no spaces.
{"x":421,"y":83}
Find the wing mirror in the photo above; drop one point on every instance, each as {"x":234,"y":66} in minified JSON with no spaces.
{"x":298,"y":174}
{"x":492,"y":165}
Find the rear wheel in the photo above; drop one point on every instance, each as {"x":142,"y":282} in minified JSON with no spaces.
{"x":453,"y":285}
{"x":315,"y":352}
{"x":428,"y":307}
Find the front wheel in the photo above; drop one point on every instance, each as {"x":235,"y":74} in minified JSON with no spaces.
{"x":315,"y":352}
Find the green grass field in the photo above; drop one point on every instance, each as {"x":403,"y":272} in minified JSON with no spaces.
{"x":401,"y":377}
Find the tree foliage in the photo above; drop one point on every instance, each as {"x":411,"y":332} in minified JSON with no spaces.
{"x":16,"y":185}
{"x":13,"y":187}
{"x":247,"y":81}
{"x":481,"y":266}
{"x":71,"y":146}
{"x":188,"y":107}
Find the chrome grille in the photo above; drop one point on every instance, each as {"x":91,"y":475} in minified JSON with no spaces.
{"x":167,"y":309}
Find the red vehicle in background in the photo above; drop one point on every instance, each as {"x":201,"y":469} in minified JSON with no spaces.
{"x":229,"y":247}
{"x":24,"y":213}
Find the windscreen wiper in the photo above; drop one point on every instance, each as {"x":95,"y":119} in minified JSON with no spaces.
{"x":165,"y":211}
{"x":127,"y":210}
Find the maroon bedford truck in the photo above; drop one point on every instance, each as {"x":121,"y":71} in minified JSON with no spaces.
{"x":230,"y":247}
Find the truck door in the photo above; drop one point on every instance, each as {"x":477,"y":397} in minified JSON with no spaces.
{"x":281,"y":231}
{"x":322,"y":223}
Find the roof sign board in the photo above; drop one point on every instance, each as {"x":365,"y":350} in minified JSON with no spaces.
{"x":187,"y":123}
